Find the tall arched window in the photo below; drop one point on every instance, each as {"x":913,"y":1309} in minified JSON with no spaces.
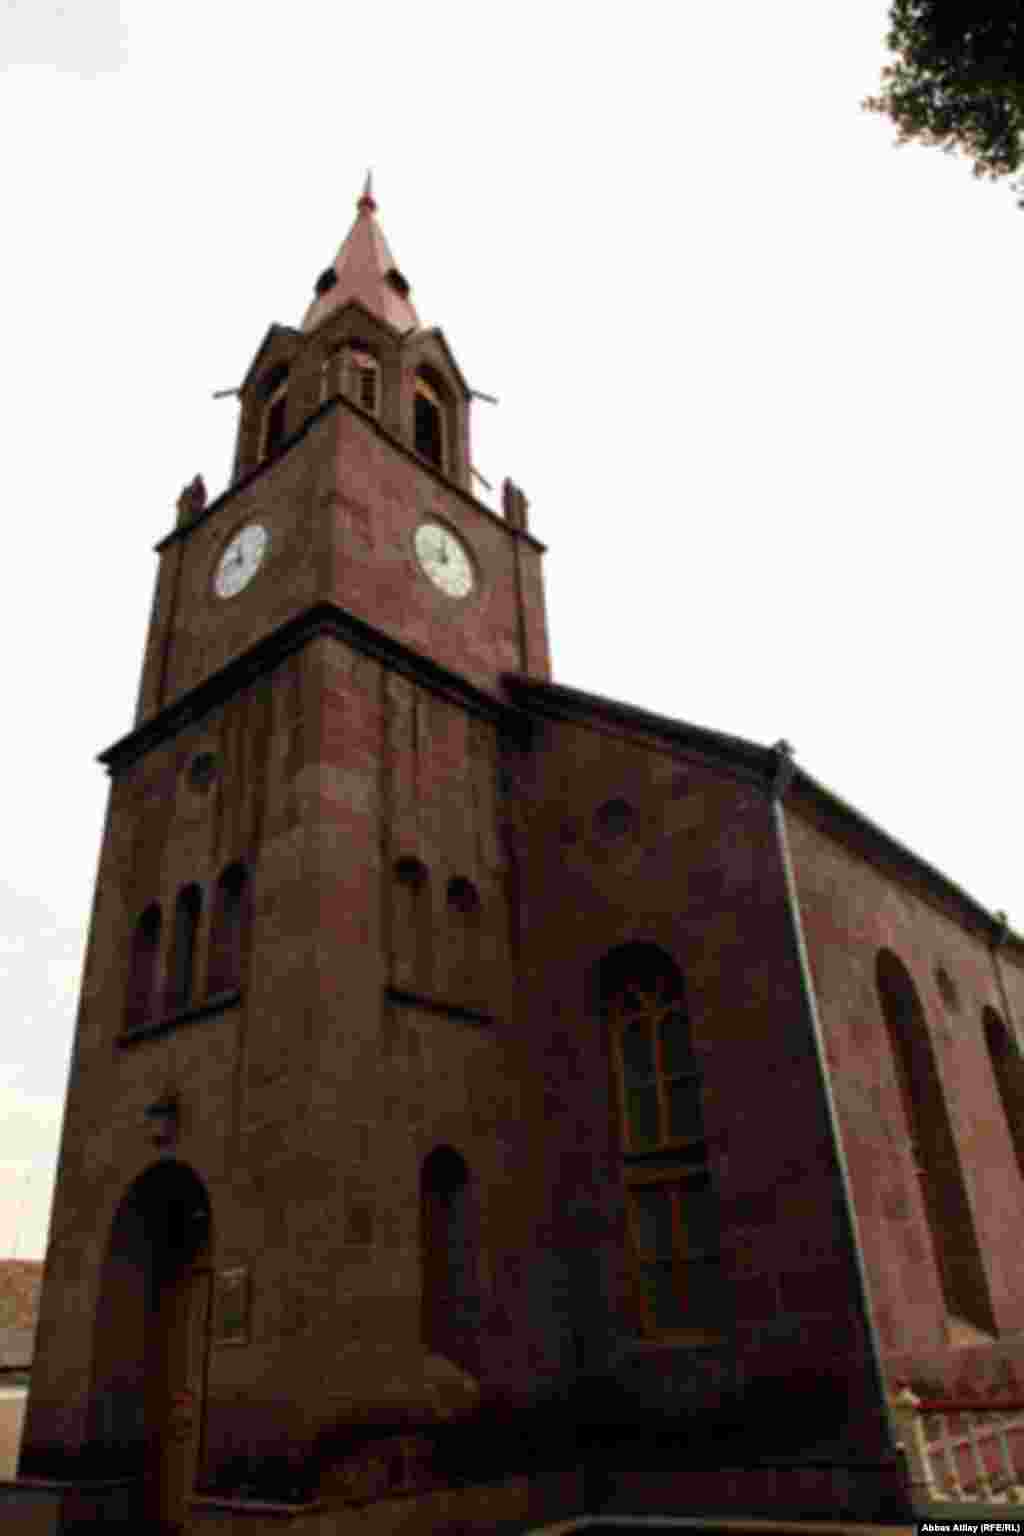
{"x":450,"y":1297}
{"x":275,"y":410}
{"x":671,"y":1201}
{"x":936,"y":1159}
{"x":428,"y":423}
{"x":464,"y":921}
{"x":181,"y":968}
{"x":1008,"y":1069}
{"x":229,"y":931}
{"x":142,"y":969}
{"x":412,"y":924}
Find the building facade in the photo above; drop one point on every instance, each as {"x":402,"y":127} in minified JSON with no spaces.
{"x":490,"y":1102}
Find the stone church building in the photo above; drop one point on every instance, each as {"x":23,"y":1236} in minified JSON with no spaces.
{"x":490,"y":1103}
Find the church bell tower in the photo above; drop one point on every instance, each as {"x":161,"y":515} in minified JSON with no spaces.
{"x":292,"y":1109}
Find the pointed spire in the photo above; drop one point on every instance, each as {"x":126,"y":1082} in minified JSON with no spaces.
{"x":366,"y":203}
{"x":364,"y":269}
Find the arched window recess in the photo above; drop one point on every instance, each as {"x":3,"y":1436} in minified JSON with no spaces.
{"x":142,"y":970}
{"x":429,"y":424}
{"x":1008,"y":1071}
{"x":351,"y":368}
{"x":230,"y":931}
{"x":672,"y":1204}
{"x":449,"y":1242}
{"x":958,"y":1261}
{"x":363,"y":377}
{"x":273,"y":418}
{"x":182,"y":966}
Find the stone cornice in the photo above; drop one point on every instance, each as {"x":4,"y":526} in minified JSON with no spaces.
{"x":744,"y":759}
{"x":322,"y":619}
{"x":334,"y":403}
{"x":220,"y":1002}
{"x":437,"y":1005}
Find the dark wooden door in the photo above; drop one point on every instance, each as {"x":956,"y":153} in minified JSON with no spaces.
{"x":176,"y":1393}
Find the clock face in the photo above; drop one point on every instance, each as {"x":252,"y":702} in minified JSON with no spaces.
{"x":241,"y":560}
{"x":445,"y":559}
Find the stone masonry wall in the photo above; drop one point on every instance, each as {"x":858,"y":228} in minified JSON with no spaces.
{"x":853,"y":908}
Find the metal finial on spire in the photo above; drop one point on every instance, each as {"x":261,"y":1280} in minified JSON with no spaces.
{"x":366,"y":201}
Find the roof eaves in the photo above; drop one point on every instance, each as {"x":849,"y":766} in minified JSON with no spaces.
{"x":736,"y":752}
{"x":754,"y":761}
{"x":273,"y":330}
{"x":834,"y":806}
{"x":354,"y":303}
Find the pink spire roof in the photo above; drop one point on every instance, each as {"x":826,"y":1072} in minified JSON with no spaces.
{"x":364,"y":269}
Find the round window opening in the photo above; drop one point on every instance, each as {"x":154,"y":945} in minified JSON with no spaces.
{"x":462,"y":895}
{"x":410,"y":871}
{"x":614,"y":818}
{"x":202,"y":771}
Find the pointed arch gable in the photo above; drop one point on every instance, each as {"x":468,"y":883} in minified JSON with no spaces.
{"x":430,"y":349}
{"x":280,"y":344}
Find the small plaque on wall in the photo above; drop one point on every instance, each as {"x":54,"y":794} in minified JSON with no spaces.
{"x":231,"y":1306}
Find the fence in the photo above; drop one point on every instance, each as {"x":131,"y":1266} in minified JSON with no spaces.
{"x":962,"y":1450}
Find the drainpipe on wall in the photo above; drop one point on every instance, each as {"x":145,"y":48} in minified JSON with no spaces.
{"x":782,"y":778}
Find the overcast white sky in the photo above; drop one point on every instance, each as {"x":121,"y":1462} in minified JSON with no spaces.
{"x":758,"y":373}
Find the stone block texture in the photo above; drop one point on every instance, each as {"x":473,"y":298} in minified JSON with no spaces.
{"x":490,"y":1102}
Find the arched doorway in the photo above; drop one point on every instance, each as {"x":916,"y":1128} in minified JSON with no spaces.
{"x":152,"y":1331}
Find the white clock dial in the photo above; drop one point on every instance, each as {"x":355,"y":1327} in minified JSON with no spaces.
{"x":241,"y":560}
{"x":444,"y":559}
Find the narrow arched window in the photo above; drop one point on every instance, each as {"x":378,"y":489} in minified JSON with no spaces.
{"x":229,"y":931}
{"x":450,"y":1295}
{"x":1008,"y":1070}
{"x":330,"y":372}
{"x":364,"y":379}
{"x":142,"y":969}
{"x":428,"y":423}
{"x":935,"y":1155}
{"x":275,"y":410}
{"x":464,"y":938}
{"x":181,"y":968}
{"x":672,"y":1205}
{"x":412,"y":925}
